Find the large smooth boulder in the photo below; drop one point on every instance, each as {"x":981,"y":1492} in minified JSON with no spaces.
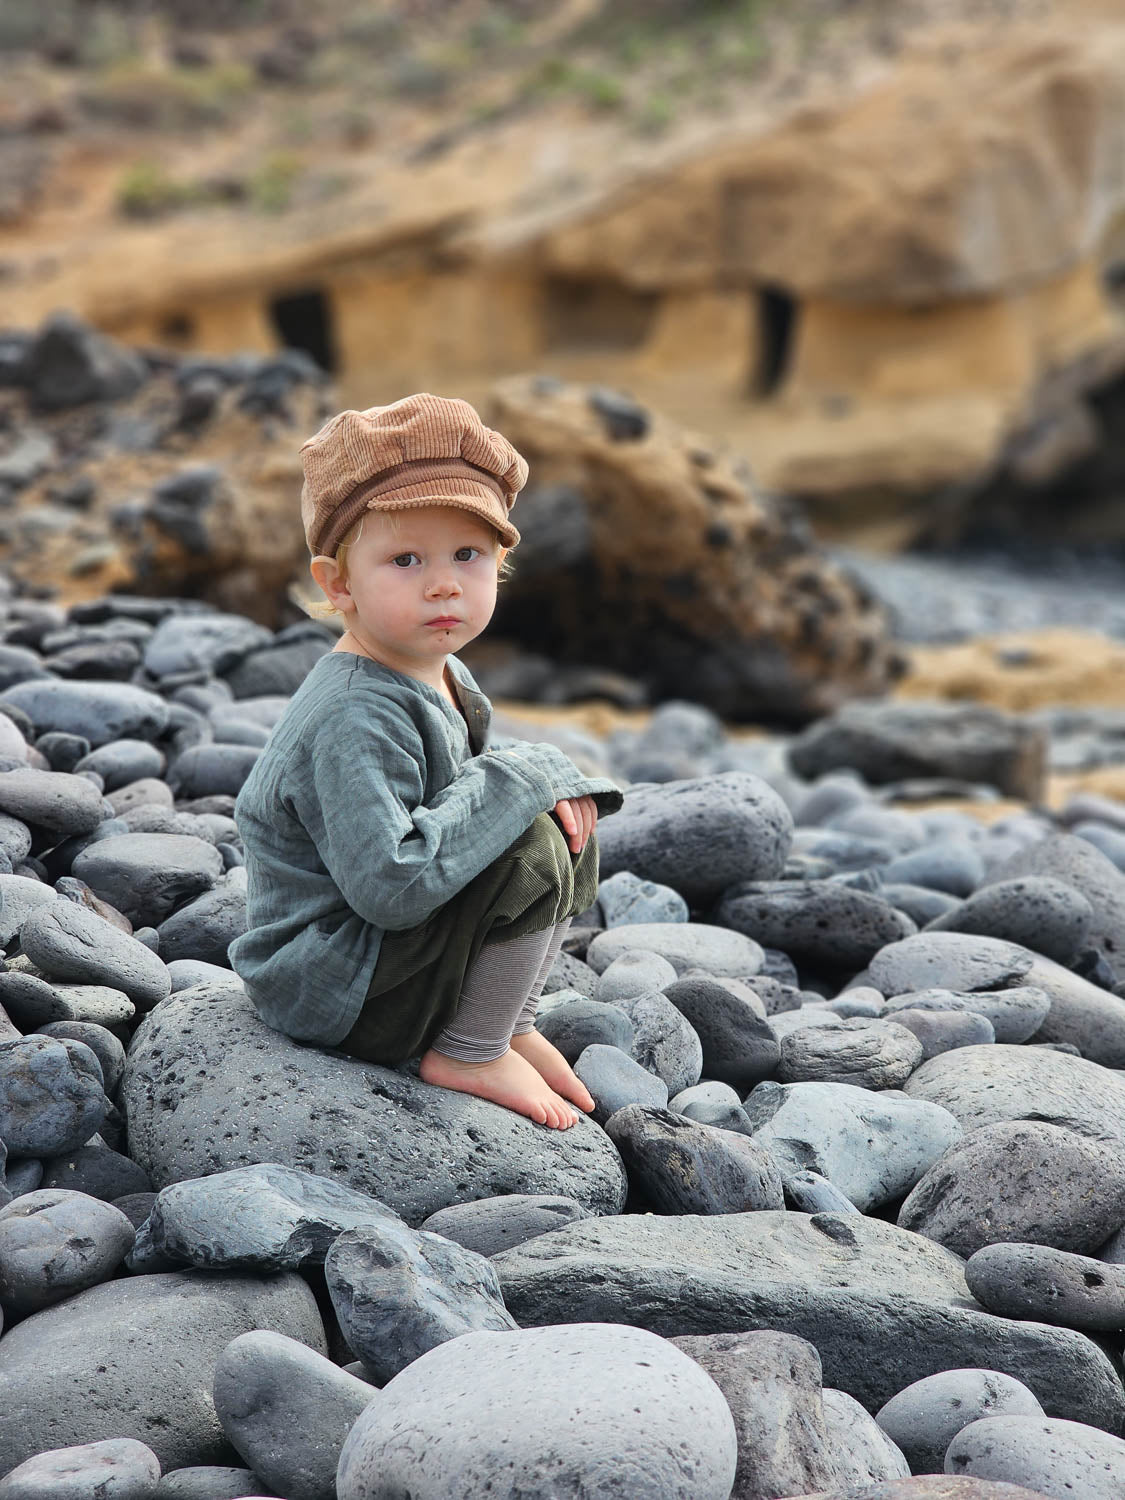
{"x":71,"y":942}
{"x":98,"y":711}
{"x":872,"y":1146}
{"x":1065,"y":857}
{"x":888,"y":741}
{"x":137,"y":1357}
{"x":699,"y":836}
{"x":984,"y":1085}
{"x":818,"y":923}
{"x":114,"y":1469}
{"x":924,"y":1418}
{"x":1025,"y":1181}
{"x":209,"y":1086}
{"x":587,"y":1412}
{"x":1049,"y":1457}
{"x":847,"y":1284}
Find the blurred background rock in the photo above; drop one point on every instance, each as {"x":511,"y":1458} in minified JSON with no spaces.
{"x":807,"y":316}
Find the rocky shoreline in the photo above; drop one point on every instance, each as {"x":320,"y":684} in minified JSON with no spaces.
{"x":847,"y":1221}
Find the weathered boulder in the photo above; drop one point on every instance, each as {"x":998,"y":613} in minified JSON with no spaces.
{"x":209,"y":1086}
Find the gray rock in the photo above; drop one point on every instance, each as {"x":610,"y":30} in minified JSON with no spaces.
{"x":924,"y":1418}
{"x":772,"y":1384}
{"x":624,"y":898}
{"x":96,"y":1004}
{"x":951,"y":865}
{"x":56,"y":1243}
{"x":864,"y":1453}
{"x":98,"y":1170}
{"x":186,"y":973}
{"x":699,"y":836}
{"x":108,"y":1050}
{"x":1049,"y":1286}
{"x":1051,"y":1457}
{"x":635,"y":973}
{"x":1111,"y":841}
{"x":207,"y":1482}
{"x":31,"y":1003}
{"x":941,"y":1031}
{"x":123,"y":761}
{"x":921,"y":905}
{"x":1056,"y":1188}
{"x":263,"y":1218}
{"x":210,"y":643}
{"x":984,"y":1085}
{"x":582,"y":1023}
{"x":570,"y":973}
{"x":1078,"y":864}
{"x":398,"y":1292}
{"x":287,"y":1410}
{"x":809,"y":1193}
{"x":615,"y":1080}
{"x":15,"y":837}
{"x":870,"y":1053}
{"x":208,"y":770}
{"x":738,"y":1045}
{"x":948,"y":960}
{"x":68,"y":941}
{"x":19,"y":897}
{"x":208,"y":1086}
{"x":23,"y":1176}
{"x":685,"y":945}
{"x":1081,"y":1013}
{"x":902,"y":830}
{"x":712,"y":1103}
{"x":1037,"y":912}
{"x":817,"y":922}
{"x":684,"y":1167}
{"x":99,"y":711}
{"x":1015,"y":1014}
{"x":204,"y":929}
{"x":872,"y":1146}
{"x":579,"y":1413}
{"x":664,"y":1041}
{"x":147,"y":875}
{"x":888,"y":741}
{"x":139,"y":1352}
{"x":847,"y":1283}
{"x":493,"y":1224}
{"x":113,"y":1469}
{"x":51,"y":1096}
{"x":62,"y":804}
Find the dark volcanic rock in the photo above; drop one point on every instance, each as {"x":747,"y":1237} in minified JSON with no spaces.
{"x":699,"y":837}
{"x":818,"y":923}
{"x":1051,"y":1286}
{"x":887,"y":742}
{"x":1048,"y":916}
{"x":1021,"y":1180}
{"x":686,"y":1167}
{"x":139,"y":1354}
{"x":210,"y":1086}
{"x":739,"y":1048}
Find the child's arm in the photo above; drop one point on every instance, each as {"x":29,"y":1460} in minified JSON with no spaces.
{"x":397,"y":859}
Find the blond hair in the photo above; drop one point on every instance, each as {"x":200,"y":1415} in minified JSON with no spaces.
{"x":324,"y":609}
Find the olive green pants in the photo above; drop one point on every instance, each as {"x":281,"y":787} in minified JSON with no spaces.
{"x":535,"y":884}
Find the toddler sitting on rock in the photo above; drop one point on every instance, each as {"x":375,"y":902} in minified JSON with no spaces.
{"x":410,"y":887}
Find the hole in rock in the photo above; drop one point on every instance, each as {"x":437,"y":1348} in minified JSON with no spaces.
{"x":304,"y":321}
{"x":777,"y":321}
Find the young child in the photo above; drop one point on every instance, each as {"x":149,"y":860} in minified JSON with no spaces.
{"x":410,"y":887}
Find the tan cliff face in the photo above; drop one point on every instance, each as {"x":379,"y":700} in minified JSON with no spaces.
{"x":888,"y":283}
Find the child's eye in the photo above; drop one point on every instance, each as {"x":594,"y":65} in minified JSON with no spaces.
{"x":403,"y":555}
{"x":474,"y":550}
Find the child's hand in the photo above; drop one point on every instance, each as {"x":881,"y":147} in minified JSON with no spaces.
{"x":577,"y":815}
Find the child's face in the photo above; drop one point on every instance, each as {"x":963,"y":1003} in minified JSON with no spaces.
{"x":421,"y":584}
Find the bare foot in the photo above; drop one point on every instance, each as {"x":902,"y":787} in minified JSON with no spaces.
{"x":510,"y":1081}
{"x":549,"y":1062}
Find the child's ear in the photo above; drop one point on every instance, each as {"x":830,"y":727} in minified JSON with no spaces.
{"x":326,"y":572}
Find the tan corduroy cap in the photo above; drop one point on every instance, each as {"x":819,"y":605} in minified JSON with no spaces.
{"x":422,"y":450}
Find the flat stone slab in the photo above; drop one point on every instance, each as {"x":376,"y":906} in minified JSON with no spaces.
{"x":209,"y":1086}
{"x":823,"y":1278}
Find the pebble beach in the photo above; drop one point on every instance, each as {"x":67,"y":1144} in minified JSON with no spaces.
{"x":848,"y":1219}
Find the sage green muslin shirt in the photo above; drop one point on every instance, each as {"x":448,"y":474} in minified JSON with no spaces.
{"x":371,"y":805}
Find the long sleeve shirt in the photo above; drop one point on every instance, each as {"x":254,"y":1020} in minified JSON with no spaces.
{"x":373,"y":803}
